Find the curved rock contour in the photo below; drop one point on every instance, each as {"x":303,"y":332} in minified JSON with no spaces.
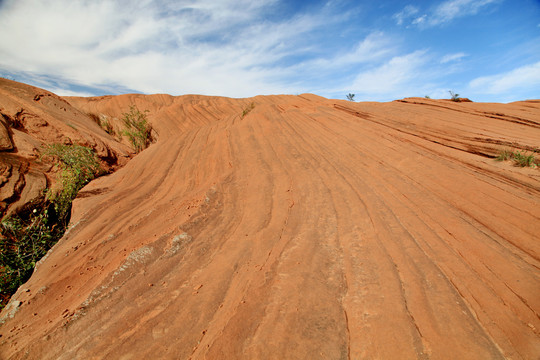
{"x":297,"y":228}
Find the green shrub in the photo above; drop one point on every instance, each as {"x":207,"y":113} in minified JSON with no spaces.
{"x":27,"y":236}
{"x":350,"y":97}
{"x":504,"y":155}
{"x":519,"y":158}
{"x":455,"y":97}
{"x":107,"y":126}
{"x":248,"y":109}
{"x":78,"y":165}
{"x":24,"y":240}
{"x":524,"y":160}
{"x":102,"y":122}
{"x":138,"y":131}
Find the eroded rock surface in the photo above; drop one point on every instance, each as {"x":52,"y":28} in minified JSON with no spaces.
{"x":307,"y":228}
{"x":31,"y":118}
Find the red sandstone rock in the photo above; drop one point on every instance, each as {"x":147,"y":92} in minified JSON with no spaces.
{"x":30,"y":118}
{"x":307,"y":229}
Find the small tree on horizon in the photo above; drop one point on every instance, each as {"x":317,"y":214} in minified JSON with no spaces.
{"x":350,"y":97}
{"x":455,"y":97}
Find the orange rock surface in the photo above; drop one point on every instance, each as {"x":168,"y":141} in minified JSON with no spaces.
{"x":299,"y":228}
{"x":31,"y":118}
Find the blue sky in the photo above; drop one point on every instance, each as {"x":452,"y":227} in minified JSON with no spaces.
{"x":486,"y":50}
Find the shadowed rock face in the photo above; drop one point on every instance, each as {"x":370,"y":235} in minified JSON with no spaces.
{"x":305,"y":229}
{"x":30,"y":118}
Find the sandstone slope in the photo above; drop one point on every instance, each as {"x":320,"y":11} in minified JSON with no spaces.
{"x":306,"y":228}
{"x":31,"y":118}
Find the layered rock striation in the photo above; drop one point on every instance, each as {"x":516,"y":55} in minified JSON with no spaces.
{"x":31,"y":118}
{"x":293,"y":227}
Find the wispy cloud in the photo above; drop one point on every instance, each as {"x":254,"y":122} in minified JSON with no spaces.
{"x":398,"y":77}
{"x":372,"y":48}
{"x":67,"y":92}
{"x":242,"y":48}
{"x":515,"y":82}
{"x":449,"y":10}
{"x":452,"y":57}
{"x":408,"y":12}
{"x":441,"y":14}
{"x":218,"y":47}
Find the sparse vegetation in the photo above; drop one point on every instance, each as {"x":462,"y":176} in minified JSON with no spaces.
{"x":24,"y":240}
{"x":519,"y":158}
{"x":102,"y":121}
{"x":138,"y":130}
{"x":504,"y":155}
{"x":78,"y":166}
{"x":27,"y":236}
{"x":350,"y":97}
{"x":107,"y":126}
{"x":427,"y":97}
{"x":247,"y":110}
{"x":454,"y":96}
{"x":524,"y":160}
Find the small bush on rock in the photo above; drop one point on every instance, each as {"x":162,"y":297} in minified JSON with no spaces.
{"x":26,"y":237}
{"x":247,"y":110}
{"x":454,"y":96}
{"x":24,"y":240}
{"x":78,"y":166}
{"x":519,"y":158}
{"x":138,"y":131}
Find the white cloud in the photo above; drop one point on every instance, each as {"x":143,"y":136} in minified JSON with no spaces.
{"x":374,"y":47}
{"x":419,"y":20}
{"x":234,"y":48}
{"x":214,"y":47}
{"x":396,"y":78}
{"x":452,"y":57}
{"x":65,"y":92}
{"x":451,"y":9}
{"x":443,"y":13}
{"x":407,"y":12}
{"x":520,"y":80}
